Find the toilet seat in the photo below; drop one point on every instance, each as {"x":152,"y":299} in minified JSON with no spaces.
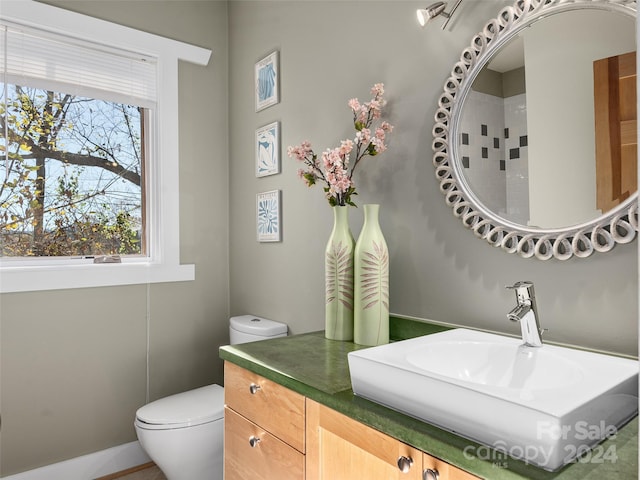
{"x":187,"y":409}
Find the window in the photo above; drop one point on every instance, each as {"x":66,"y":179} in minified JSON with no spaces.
{"x":84,"y":153}
{"x":75,"y":122}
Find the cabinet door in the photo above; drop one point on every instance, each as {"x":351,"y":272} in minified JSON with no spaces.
{"x":444,"y":470}
{"x":252,"y":453}
{"x":340,"y":448}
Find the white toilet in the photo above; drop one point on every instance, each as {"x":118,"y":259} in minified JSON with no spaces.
{"x":183,"y":433}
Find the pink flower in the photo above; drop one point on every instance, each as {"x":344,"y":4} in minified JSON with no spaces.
{"x":345,"y":147}
{"x":300,"y":152}
{"x":374,"y":108}
{"x":329,"y":159}
{"x":363,"y":136}
{"x":379,"y":145}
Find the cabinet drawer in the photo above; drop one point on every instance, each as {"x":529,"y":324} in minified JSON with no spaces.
{"x":275,"y":408}
{"x":445,"y":470}
{"x":268,"y":458}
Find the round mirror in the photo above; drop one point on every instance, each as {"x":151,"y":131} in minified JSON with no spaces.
{"x":535,"y":137}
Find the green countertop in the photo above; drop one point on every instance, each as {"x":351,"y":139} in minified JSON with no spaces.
{"x":317,"y":368}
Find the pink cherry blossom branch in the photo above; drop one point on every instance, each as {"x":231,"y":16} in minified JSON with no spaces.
{"x":335,"y":170}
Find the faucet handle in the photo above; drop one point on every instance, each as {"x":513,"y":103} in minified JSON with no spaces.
{"x":525,"y":293}
{"x":520,"y":284}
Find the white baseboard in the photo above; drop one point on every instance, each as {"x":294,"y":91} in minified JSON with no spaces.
{"x":89,"y":467}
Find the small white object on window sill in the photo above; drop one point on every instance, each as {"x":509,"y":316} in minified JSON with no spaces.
{"x":107,"y":259}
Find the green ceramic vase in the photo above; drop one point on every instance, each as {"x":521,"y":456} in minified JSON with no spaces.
{"x":339,"y":278}
{"x":371,"y":279}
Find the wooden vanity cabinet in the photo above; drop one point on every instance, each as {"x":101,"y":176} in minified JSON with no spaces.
{"x":264,"y":429}
{"x":271,"y":432}
{"x":340,"y":448}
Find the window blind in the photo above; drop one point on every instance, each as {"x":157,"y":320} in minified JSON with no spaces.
{"x":46,"y":60}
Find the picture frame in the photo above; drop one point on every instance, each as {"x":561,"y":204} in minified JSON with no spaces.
{"x":267,"y":81}
{"x":268,"y":150}
{"x":268,"y":216}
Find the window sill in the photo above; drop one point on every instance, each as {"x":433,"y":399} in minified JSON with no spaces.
{"x":59,"y":277}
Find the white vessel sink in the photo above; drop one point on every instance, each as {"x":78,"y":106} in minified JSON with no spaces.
{"x":542,"y":405}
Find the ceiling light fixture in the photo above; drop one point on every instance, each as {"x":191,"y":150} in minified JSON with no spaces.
{"x":426,"y":14}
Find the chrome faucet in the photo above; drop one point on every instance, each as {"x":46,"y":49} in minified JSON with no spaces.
{"x":526,"y":312}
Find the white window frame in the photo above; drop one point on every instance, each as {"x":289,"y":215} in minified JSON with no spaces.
{"x":162,"y":264}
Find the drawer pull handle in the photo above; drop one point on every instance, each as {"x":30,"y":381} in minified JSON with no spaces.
{"x":253,"y":388}
{"x":254,"y":441}
{"x":430,"y":474}
{"x":404,"y":463}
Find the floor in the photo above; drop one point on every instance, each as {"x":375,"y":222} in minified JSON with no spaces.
{"x":150,"y":473}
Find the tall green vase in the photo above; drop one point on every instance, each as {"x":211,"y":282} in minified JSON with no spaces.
{"x":339,"y":278}
{"x":371,"y":278}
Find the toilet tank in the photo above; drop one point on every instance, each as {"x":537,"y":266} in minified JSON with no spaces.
{"x":250,"y":328}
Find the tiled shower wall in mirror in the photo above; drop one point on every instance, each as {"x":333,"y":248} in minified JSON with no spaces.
{"x":493,"y":148}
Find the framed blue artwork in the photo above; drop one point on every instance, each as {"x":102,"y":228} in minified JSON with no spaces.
{"x":267,"y":80}
{"x":268,"y":150}
{"x":268,"y":216}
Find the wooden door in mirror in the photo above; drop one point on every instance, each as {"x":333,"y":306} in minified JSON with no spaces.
{"x":616,"y":129}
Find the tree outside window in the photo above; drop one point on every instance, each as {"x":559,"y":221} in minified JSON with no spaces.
{"x":72,"y":173}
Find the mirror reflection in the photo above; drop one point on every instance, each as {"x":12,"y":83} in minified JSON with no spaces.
{"x":547,"y":134}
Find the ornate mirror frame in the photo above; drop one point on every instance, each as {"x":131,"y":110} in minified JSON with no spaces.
{"x":618,"y":225}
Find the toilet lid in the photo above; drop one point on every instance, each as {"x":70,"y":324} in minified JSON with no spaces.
{"x":259,"y":326}
{"x":194,"y":407}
